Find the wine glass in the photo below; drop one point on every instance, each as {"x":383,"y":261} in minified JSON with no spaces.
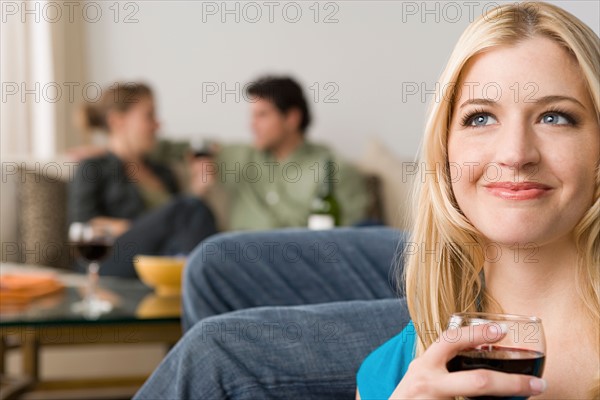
{"x":521,"y":351}
{"x":93,"y":244}
{"x":202,"y":147}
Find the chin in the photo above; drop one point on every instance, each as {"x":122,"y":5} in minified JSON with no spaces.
{"x":516,"y":228}
{"x":510,"y":239}
{"x":523,"y":235}
{"x":259,"y":144}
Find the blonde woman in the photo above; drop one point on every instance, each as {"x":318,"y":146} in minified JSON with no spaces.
{"x":518,"y":173}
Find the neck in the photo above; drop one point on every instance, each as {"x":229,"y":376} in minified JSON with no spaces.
{"x":539,"y":281}
{"x":123,"y":151}
{"x":287,"y":146}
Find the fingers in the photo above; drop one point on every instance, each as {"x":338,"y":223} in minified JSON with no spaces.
{"x":486,"y":382}
{"x":428,"y":376}
{"x":453,"y":340}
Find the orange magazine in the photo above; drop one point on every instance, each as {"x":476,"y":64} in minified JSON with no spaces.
{"x":23,"y":288}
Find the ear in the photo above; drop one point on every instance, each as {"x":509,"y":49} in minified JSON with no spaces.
{"x":293,"y":118}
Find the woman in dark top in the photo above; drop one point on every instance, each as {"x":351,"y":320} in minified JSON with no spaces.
{"x":132,"y":197}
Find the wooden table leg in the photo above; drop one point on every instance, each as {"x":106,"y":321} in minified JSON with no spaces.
{"x":32,"y":339}
{"x":31,"y":356}
{"x":13,"y":389}
{"x":2,"y":355}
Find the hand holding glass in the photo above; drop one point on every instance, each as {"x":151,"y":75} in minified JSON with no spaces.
{"x":521,"y":351}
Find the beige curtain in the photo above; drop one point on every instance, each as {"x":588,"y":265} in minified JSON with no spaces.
{"x":42,"y":72}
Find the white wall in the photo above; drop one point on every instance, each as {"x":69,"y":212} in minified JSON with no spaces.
{"x":376,"y":46}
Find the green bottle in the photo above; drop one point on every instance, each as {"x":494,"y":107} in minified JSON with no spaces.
{"x":325,"y":210}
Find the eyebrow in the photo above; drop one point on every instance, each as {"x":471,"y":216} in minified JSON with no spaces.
{"x":542,"y":100}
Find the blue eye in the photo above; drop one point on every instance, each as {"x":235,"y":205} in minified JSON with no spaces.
{"x":556,"y":119}
{"x":479,"y":119}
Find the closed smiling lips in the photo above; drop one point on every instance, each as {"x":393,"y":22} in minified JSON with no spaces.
{"x":518,"y":190}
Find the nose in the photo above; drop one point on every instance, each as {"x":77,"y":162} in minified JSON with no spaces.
{"x":516,"y":146}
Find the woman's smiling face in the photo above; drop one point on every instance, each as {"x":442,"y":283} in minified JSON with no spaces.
{"x":524,"y":143}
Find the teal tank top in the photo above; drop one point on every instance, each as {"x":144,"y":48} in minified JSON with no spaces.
{"x":382,"y":370}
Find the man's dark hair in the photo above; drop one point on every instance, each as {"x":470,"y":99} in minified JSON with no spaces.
{"x":284,"y":93}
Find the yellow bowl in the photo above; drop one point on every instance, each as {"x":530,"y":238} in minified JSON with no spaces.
{"x":155,"y":306}
{"x":161,"y":273}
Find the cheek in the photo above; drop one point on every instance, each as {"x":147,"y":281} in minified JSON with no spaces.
{"x":134,"y":125}
{"x":466,"y":167}
{"x":575,"y":164}
{"x":144,"y":127}
{"x":466,"y":164}
{"x":262,"y":124}
{"x":578,"y":183}
{"x":272,"y":126}
{"x":464,"y":184}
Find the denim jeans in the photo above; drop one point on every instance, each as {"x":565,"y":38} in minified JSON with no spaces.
{"x":280,"y":343}
{"x":175,"y":228}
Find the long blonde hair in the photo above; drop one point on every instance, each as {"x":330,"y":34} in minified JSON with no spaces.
{"x":446,"y":278}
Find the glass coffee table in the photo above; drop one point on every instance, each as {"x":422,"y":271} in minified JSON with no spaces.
{"x":138,"y":316}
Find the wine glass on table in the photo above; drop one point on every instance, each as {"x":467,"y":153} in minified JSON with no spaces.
{"x":92,"y":243}
{"x":521,"y":351}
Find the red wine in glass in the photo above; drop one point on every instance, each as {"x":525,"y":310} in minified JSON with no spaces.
{"x":522,"y":350}
{"x":499,"y":358}
{"x":93,"y":250}
{"x":92,"y":244}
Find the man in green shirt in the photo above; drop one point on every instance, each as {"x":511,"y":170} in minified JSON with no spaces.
{"x":273,"y":182}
